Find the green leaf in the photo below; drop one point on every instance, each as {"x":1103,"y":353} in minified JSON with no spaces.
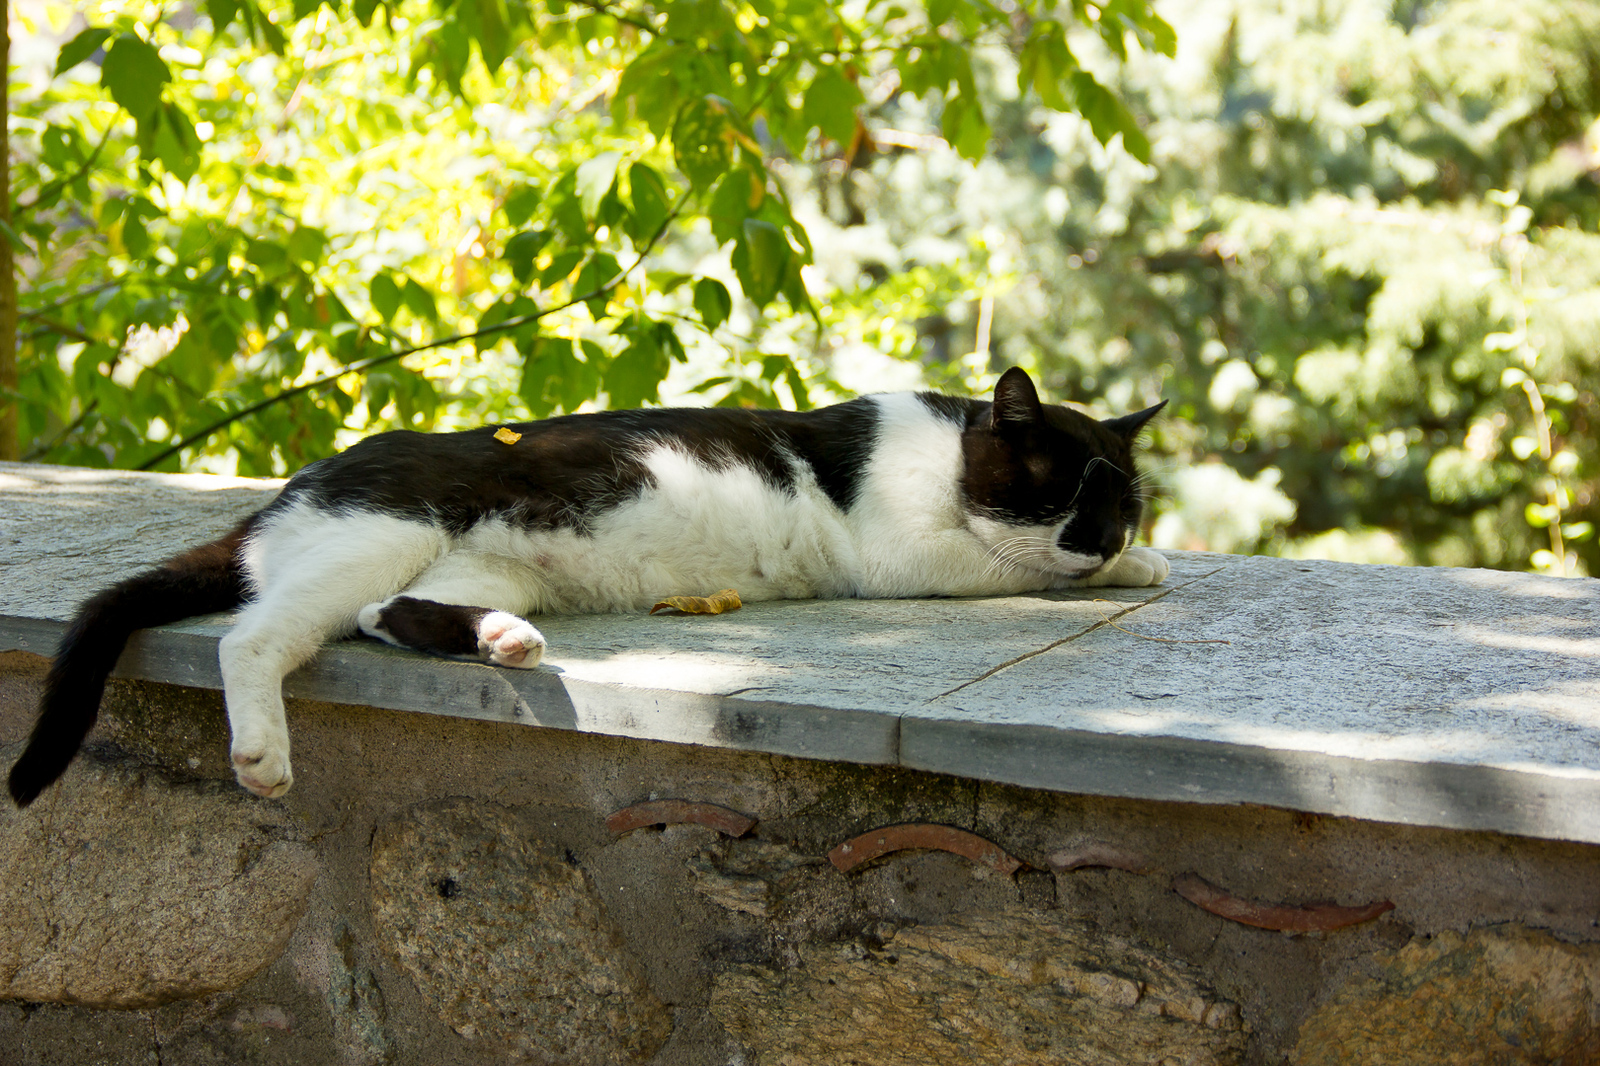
{"x":222,"y":13}
{"x":262,"y":27}
{"x":133,"y":73}
{"x":830,"y":105}
{"x":306,"y":244}
{"x":634,"y":377}
{"x":597,"y":273}
{"x":521,"y":202}
{"x":1045,"y":63}
{"x":1108,"y":116}
{"x":265,"y":254}
{"x":175,"y":142}
{"x":80,"y":48}
{"x":545,"y":361}
{"x":964,"y":126}
{"x":566,"y":209}
{"x":651,"y":204}
{"x":494,"y":36}
{"x":761,"y":259}
{"x":522,"y":249}
{"x":385,"y":296}
{"x":504,"y":310}
{"x":595,"y":178}
{"x":556,"y":372}
{"x":712,"y":301}
{"x":562,"y":265}
{"x":419,"y":301}
{"x":797,"y":387}
{"x":702,"y":140}
{"x":13,"y":237}
{"x":651,"y":85}
{"x":736,"y":196}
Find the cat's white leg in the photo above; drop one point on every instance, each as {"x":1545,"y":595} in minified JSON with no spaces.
{"x":315,"y":573}
{"x":467,"y":604}
{"x":1134,"y":568}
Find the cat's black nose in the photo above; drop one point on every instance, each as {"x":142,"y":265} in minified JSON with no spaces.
{"x":1113,"y":538}
{"x":1105,"y":539}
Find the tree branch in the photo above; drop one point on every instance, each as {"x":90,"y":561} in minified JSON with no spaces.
{"x":60,"y":183}
{"x":10,"y":446}
{"x":81,"y":294}
{"x":66,"y":431}
{"x":388,"y":357}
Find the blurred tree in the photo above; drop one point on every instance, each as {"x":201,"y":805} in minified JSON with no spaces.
{"x":1363,"y":261}
{"x":249,"y":230}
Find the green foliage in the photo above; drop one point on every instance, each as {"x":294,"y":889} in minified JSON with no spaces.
{"x":1357,"y":246}
{"x":1364,"y":266}
{"x":256,"y":232}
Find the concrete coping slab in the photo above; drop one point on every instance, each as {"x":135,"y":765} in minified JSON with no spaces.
{"x":1463,"y":699}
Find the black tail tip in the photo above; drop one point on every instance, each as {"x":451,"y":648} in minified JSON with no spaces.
{"x":27,"y":781}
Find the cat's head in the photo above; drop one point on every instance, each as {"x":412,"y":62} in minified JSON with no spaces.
{"x":1049,"y":488}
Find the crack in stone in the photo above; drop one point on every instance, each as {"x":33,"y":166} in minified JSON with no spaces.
{"x":1101,"y":624}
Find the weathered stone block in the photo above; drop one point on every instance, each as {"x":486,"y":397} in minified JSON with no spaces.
{"x":1013,"y":988}
{"x":122,"y":888}
{"x":506,"y":940}
{"x":1504,"y":995}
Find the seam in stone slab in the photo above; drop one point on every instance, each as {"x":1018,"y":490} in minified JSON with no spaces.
{"x":1025,"y":656}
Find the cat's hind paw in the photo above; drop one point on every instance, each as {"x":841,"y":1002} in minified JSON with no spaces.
{"x":506,"y":640}
{"x":1134,"y":568}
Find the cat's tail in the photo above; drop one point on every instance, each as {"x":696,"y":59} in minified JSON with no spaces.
{"x":201,"y":580}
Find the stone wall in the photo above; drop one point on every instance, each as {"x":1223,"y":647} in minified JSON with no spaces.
{"x":449,"y":891}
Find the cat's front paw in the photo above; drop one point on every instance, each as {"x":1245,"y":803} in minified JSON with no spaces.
{"x":262,"y":766}
{"x":1134,"y":568}
{"x":506,"y":640}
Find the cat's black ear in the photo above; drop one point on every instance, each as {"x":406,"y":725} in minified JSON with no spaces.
{"x":1128,"y":426}
{"x":1016,"y":401}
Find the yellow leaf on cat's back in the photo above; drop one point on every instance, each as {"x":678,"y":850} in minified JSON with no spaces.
{"x":716,"y":603}
{"x":507,"y":436}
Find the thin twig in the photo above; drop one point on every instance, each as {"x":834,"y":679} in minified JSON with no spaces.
{"x":60,"y":183}
{"x":66,"y":431}
{"x":81,"y":294}
{"x":50,"y":325}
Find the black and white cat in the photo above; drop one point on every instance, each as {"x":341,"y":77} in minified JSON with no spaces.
{"x":445,"y":542}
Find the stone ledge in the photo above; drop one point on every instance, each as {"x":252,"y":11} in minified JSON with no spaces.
{"x":1451,"y":698}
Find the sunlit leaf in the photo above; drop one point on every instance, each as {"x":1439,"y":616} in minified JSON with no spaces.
{"x":522,"y":249}
{"x":521,"y":202}
{"x":830,"y":104}
{"x":712,"y":301}
{"x":596,"y":177}
{"x":80,"y":48}
{"x":419,"y":301}
{"x":760,"y":259}
{"x":133,"y":73}
{"x":385,"y":296}
{"x":703,"y":139}
{"x":222,"y":13}
{"x":650,"y":199}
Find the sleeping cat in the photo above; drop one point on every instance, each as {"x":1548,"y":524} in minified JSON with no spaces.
{"x":443,"y":543}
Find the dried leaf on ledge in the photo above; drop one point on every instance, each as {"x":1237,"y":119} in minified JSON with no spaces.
{"x":716,"y":603}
